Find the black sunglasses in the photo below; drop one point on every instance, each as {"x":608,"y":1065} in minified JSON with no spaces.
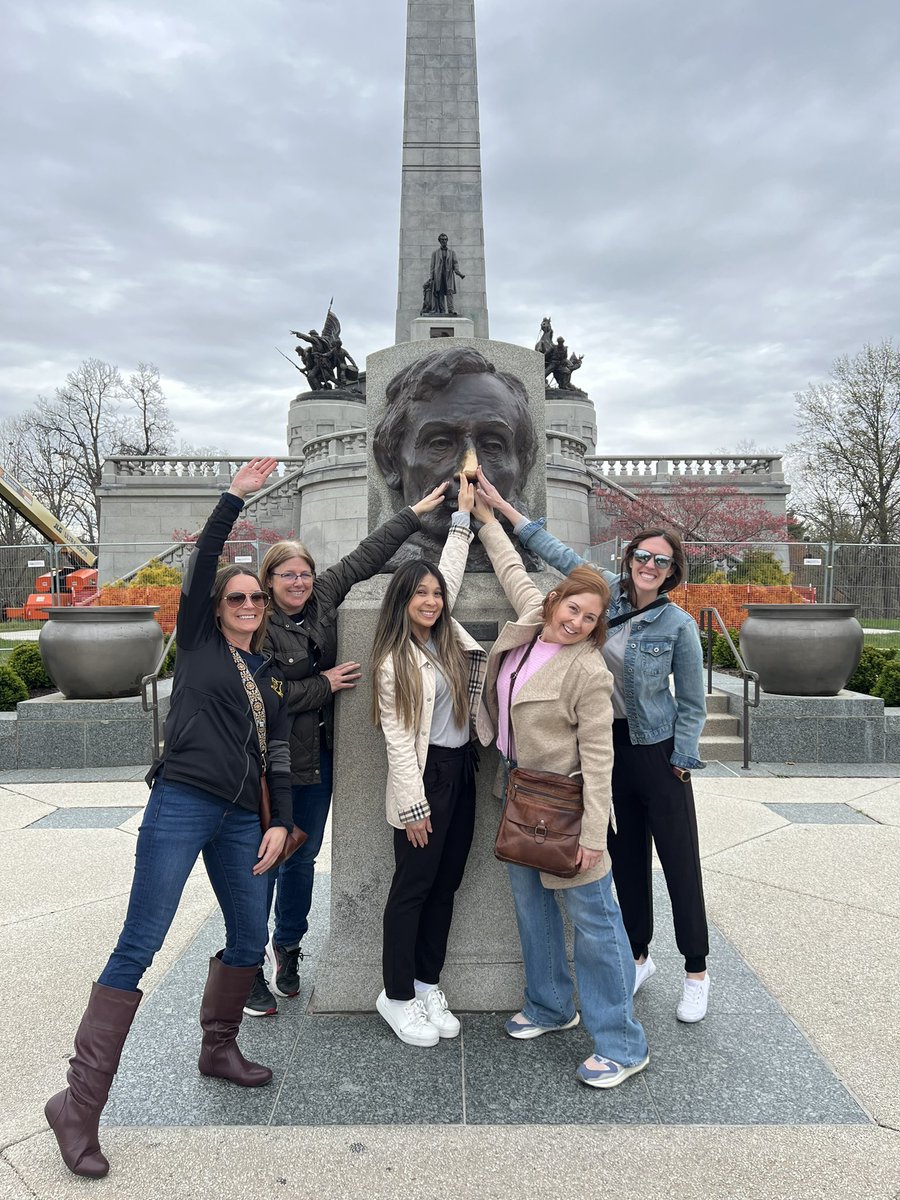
{"x":257,"y":599}
{"x":663,"y":561}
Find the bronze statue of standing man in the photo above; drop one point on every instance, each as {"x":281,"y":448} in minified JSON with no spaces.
{"x":440,"y":286}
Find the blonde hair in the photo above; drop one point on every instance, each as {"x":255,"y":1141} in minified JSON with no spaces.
{"x":393,"y":639}
{"x":279,"y":553}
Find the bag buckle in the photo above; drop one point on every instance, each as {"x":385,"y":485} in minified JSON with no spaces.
{"x":540,"y":833}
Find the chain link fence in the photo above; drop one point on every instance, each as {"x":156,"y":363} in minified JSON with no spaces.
{"x":36,"y":576}
{"x":825,"y":572}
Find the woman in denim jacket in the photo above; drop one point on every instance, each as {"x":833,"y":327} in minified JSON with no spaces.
{"x":656,"y":742}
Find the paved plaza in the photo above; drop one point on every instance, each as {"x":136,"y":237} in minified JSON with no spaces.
{"x":789,"y":1088}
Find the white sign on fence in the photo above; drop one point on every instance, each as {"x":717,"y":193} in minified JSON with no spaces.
{"x":812,"y":562}
{"x":243,"y":558}
{"x":36,"y":562}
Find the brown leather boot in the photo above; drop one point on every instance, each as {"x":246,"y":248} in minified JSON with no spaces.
{"x":74,"y":1113}
{"x":221,"y":1011}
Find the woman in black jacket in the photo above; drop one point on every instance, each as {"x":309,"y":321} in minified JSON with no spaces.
{"x":227,"y":723}
{"x":302,"y":635}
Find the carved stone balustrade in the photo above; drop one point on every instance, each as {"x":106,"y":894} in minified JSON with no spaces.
{"x":646,"y":467}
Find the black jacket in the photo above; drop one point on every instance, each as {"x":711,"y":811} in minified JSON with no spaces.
{"x":210,"y":738}
{"x":309,"y":695}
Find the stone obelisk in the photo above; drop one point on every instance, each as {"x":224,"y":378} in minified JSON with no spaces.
{"x":441,"y":186}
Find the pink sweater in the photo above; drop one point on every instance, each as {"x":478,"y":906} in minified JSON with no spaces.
{"x":540,"y":655}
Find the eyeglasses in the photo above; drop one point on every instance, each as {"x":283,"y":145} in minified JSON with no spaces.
{"x":663,"y":561}
{"x":257,"y":599}
{"x":293,"y":576}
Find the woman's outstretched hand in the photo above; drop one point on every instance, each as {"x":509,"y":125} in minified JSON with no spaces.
{"x":493,"y":499}
{"x":251,"y":476}
{"x":430,"y":502}
{"x":270,"y":847}
{"x":466,"y":500}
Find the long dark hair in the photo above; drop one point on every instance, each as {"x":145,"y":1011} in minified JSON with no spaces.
{"x":393,"y":639}
{"x":678,"y":564}
{"x":223,"y":576}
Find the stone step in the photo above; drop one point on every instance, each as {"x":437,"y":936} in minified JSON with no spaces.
{"x":725,"y":749}
{"x":717,"y":702}
{"x":721,"y":725}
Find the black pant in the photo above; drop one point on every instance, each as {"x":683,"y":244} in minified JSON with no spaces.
{"x":650,"y":801}
{"x":419,"y":906}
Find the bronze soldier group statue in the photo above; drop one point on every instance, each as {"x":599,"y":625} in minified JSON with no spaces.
{"x":326,"y":364}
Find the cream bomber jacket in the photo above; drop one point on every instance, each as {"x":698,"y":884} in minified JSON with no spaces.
{"x":407,"y":749}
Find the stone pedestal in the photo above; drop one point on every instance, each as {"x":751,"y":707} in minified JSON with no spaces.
{"x":54,"y":732}
{"x":426,"y":329}
{"x":484,"y":963}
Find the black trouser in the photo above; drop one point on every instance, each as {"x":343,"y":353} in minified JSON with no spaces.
{"x":419,"y":906}
{"x":650,"y":801}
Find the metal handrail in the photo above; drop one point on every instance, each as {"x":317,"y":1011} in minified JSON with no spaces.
{"x":151,"y":704}
{"x":707,"y":617}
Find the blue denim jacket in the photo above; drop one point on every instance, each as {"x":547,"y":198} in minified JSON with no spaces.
{"x":664,"y":642}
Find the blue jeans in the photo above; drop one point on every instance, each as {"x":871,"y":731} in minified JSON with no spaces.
{"x":295,"y":877}
{"x":181,"y":822}
{"x":603,"y":963}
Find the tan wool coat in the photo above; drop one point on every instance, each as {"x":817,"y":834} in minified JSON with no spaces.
{"x":562,"y":715}
{"x":407,"y":749}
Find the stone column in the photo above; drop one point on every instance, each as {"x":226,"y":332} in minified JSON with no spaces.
{"x":441,"y":182}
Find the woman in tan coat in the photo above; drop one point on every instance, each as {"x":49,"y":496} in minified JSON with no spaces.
{"x":561,"y":718}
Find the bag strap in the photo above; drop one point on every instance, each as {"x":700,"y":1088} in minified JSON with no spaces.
{"x":659,"y":602}
{"x":512,"y":683}
{"x":257,"y":706}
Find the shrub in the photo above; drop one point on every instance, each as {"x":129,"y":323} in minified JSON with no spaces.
{"x":721,"y":651}
{"x":153,"y":574}
{"x":168,"y":667}
{"x":871,"y":663}
{"x":761,"y":567}
{"x":888,"y":685}
{"x":12,"y":689}
{"x":27,"y":663}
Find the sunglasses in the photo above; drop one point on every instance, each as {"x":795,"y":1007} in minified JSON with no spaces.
{"x":663,"y":561}
{"x":257,"y":599}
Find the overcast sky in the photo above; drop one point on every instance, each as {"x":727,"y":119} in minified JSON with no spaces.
{"x":703,"y":195}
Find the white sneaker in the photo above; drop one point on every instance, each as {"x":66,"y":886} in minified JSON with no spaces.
{"x":439,"y":1014}
{"x":694,"y":1000}
{"x":408,"y":1020}
{"x":642,"y":972}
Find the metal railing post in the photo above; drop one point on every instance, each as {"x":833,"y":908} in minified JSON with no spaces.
{"x":707,"y":617}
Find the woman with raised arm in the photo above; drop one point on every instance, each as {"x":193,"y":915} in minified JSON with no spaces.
{"x":427,"y":682}
{"x":546,"y":702}
{"x":302,"y":637}
{"x":226,"y":727}
{"x":656,"y":736}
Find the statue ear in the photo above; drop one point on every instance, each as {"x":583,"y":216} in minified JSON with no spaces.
{"x":386,"y":465}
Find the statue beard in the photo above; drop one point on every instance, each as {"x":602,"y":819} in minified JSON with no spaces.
{"x":429,"y":543}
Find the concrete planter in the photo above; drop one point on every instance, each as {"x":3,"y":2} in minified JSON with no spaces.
{"x":801,"y":649}
{"x":100,"y":653}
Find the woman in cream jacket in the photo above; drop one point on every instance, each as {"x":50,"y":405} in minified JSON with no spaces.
{"x":427,"y":673}
{"x":561,"y":717}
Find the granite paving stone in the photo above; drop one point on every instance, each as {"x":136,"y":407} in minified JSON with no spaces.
{"x":819,"y":814}
{"x":86,"y":818}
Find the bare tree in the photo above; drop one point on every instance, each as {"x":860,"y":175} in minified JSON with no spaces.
{"x":847,"y":459}
{"x":95,"y":414}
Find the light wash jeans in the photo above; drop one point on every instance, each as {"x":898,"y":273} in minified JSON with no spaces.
{"x":604,"y":966}
{"x":180,"y":823}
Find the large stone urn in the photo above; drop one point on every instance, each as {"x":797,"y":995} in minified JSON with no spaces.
{"x":801,"y":649}
{"x":100,"y":653}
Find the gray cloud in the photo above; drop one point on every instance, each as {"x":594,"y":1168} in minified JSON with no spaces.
{"x":703,"y":196}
